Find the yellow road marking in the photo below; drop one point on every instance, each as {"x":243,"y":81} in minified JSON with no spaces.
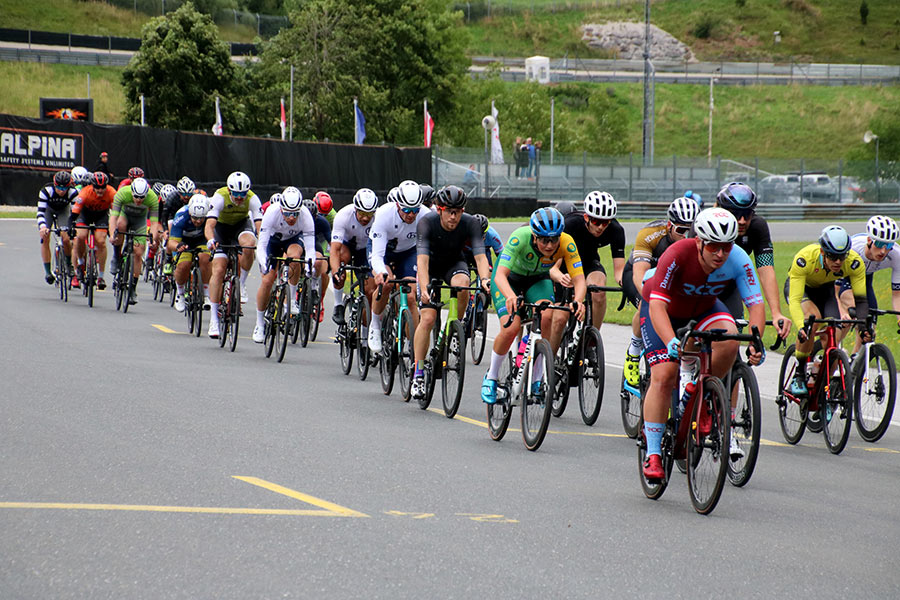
{"x":412,"y":515}
{"x":886,"y":450}
{"x":330,"y":508}
{"x":763,"y":442}
{"x":173,"y":509}
{"x":165,"y":329}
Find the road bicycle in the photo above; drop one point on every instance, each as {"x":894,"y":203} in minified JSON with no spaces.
{"x":310,"y":301}
{"x":829,"y":388}
{"x":874,"y":385}
{"x":163,"y":283}
{"x":278,"y":320}
{"x":122,"y":283}
{"x":697,"y":431}
{"x":194,"y":300}
{"x":397,"y":332}
{"x":353,"y":333}
{"x":61,"y":270}
{"x":475,"y":322}
{"x":526,"y":379}
{"x":90,"y":267}
{"x":230,"y":306}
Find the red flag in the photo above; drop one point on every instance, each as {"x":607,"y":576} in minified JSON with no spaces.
{"x":283,"y":121}
{"x":429,"y":128}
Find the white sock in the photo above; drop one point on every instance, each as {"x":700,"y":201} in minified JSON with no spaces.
{"x":244,"y":277}
{"x":636,"y":347}
{"x":292,"y":289}
{"x":206,"y":290}
{"x":376,"y":321}
{"x":496,"y":363}
{"x":213,"y":312}
{"x":180,"y":289}
{"x":338,"y":296}
{"x":260,"y":318}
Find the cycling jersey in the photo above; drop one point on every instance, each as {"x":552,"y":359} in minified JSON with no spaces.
{"x":443,"y":245}
{"x":183,"y":228}
{"x":492,"y":241}
{"x":170,"y":209}
{"x":276,"y":230}
{"x":522,"y":257}
{"x":891,"y":261}
{"x":758,"y":241}
{"x":124,"y":204}
{"x":589,"y":245}
{"x":391,"y":233}
{"x":224,"y":210}
{"x":348,"y":230}
{"x":88,"y":199}
{"x":808,"y":271}
{"x":58,"y":205}
{"x":689,"y":291}
{"x":322,"y":234}
{"x":329,"y":216}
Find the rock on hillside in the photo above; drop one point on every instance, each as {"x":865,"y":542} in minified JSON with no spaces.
{"x":627,"y":39}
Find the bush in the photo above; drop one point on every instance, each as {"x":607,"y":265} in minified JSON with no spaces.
{"x":803,"y":6}
{"x":864,"y":12}
{"x":705,"y":27}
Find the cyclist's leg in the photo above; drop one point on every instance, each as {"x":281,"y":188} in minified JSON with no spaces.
{"x":182,"y":271}
{"x":102,"y":223}
{"x":595,"y":274}
{"x":406,"y":269}
{"x":247,"y":239}
{"x":502,"y":342}
{"x":224,"y":235}
{"x":663,"y":378}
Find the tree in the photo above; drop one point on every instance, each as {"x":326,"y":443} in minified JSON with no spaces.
{"x":182,"y":65}
{"x":864,"y":12}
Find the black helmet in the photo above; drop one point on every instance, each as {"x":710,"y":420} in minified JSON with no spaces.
{"x":482,"y":222}
{"x":565,"y":207}
{"x":62,"y":179}
{"x":736,"y":196}
{"x":428,"y":194}
{"x":451,"y":196}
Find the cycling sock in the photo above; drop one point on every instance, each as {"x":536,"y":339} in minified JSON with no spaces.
{"x":47,"y":268}
{"x":496,"y":363}
{"x":214,"y":312}
{"x":636,"y":347}
{"x":654,"y":433}
{"x":206,"y":290}
{"x":100,"y":274}
{"x":260,"y":318}
{"x":244,"y":277}
{"x":419,"y":370}
{"x":376,"y":321}
{"x":338,"y":296}
{"x":539,"y":366}
{"x":801,"y":364}
{"x":180,"y":289}
{"x":292,"y":290}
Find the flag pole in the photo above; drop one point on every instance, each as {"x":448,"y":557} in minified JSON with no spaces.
{"x":425,"y":120}
{"x":292,"y":104}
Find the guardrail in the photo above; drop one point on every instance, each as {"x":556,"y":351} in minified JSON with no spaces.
{"x":97,"y":42}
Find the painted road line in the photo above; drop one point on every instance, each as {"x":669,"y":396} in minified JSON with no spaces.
{"x":165,"y":329}
{"x":329,"y":508}
{"x":172,"y":509}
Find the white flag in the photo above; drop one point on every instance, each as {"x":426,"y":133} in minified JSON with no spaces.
{"x":496,"y":147}
{"x":217,"y":126}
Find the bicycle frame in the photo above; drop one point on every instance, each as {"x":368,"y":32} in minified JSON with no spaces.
{"x":826,"y":368}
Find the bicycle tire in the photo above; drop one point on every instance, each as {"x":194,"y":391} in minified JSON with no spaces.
{"x":91,"y":275}
{"x":314,"y":323}
{"x":836,"y":404}
{"x":873,"y":409}
{"x":224,"y":314}
{"x":454,"y":369}
{"x":499,"y":414}
{"x":270,"y":324}
{"x":592,"y":378}
{"x":432,"y":366}
{"x":707,"y":462}
{"x":386,"y":363}
{"x":791,"y":414}
{"x":536,"y":406}
{"x":746,"y":423}
{"x":305,"y":309}
{"x":561,"y":376}
{"x":479,"y":327}
{"x":235,"y":308}
{"x":295,"y":325}
{"x":126,"y":268}
{"x":405,"y":356}
{"x":119,"y":286}
{"x":282,"y":322}
{"x":57,"y":271}
{"x":197,"y":298}
{"x":812,"y":416}
{"x":654,"y":489}
{"x":630,"y":404}
{"x":362,"y":341}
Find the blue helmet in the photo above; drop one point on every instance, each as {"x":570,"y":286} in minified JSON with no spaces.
{"x":736,"y":196}
{"x":547,"y":222}
{"x":695,"y":197}
{"x":834,"y":240}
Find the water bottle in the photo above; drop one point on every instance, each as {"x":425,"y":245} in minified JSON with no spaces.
{"x":687,"y":383}
{"x":522,"y":346}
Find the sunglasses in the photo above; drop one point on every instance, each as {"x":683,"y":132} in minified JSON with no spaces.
{"x":719,"y":247}
{"x":746,"y":213}
{"x":237,"y":195}
{"x":364,"y":214}
{"x":547,"y":239}
{"x":410,"y":211}
{"x":60,"y":187}
{"x":598,"y":222}
{"x":290,"y":214}
{"x":835,"y":257}
{"x":681,"y":229}
{"x":885,"y":245}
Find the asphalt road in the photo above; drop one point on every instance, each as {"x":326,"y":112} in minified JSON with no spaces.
{"x":140,"y":463}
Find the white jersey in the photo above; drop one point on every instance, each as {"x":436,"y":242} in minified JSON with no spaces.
{"x":390,"y":232}
{"x":275,"y":228}
{"x":347,"y":230}
{"x":891,"y":261}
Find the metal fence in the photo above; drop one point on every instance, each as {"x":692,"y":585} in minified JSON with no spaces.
{"x":479,"y":9}
{"x":782,"y":182}
{"x":265,"y":26}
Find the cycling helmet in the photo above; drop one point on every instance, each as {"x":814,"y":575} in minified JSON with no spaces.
{"x":565,"y":208}
{"x":99,"y":179}
{"x":881,"y":229}
{"x":310,"y":205}
{"x":324,"y":203}
{"x":834,"y":240}
{"x":275,"y":198}
{"x":198,"y":206}
{"x":394,"y":195}
{"x":546,"y":222}
{"x":736,"y":195}
{"x":62,"y":179}
{"x":157,"y":187}
{"x":451,"y":196}
{"x":238,"y":183}
{"x":365,"y":200}
{"x":716,"y":225}
{"x":81,"y":176}
{"x":186,"y":186}
{"x":600,"y":205}
{"x":139,"y":188}
{"x":167,"y":193}
{"x":292,"y":200}
{"x":409,"y":194}
{"x":683,"y":211}
{"x":695,"y":197}
{"x":135,"y":173}
{"x":483,"y":222}
{"x":428,"y":194}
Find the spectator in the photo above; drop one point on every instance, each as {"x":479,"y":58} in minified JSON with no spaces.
{"x":531,"y":158}
{"x":517,"y":156}
{"x":470,"y":179}
{"x":103,"y":165}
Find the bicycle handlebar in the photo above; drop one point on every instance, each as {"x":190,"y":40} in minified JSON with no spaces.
{"x":537,"y":307}
{"x":717,"y":335}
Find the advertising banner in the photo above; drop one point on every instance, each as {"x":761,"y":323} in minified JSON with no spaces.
{"x":73,"y":109}
{"x":40,"y":150}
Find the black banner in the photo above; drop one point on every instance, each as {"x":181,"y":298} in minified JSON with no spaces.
{"x":74,"y":109}
{"x":39,"y":150}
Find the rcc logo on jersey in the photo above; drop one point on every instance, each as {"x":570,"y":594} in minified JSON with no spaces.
{"x":704,"y":289}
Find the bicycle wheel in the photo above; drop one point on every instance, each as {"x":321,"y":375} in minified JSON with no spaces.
{"x":58,"y":270}
{"x":433,"y":367}
{"x":874,"y":392}
{"x":405,"y":356}
{"x":835,"y":403}
{"x":305,"y":310}
{"x":813,"y":423}
{"x":707,"y":446}
{"x":314,"y":321}
{"x":479,"y":327}
{"x":538,"y":399}
{"x":500,"y":413}
{"x":791,"y":409}
{"x":282,"y":322}
{"x":386,"y":361}
{"x":561,"y":377}
{"x":270,"y":323}
{"x":234,"y":307}
{"x":125,"y":271}
{"x":592,"y":365}
{"x":119,"y":285}
{"x":745,"y":424}
{"x":362,"y":337}
{"x":197,"y":299}
{"x":454,"y":374}
{"x":224,"y":313}
{"x":295,"y":317}
{"x":630,"y":404}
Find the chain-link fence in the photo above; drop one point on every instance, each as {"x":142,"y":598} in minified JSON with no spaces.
{"x":479,"y":9}
{"x":264,"y":26}
{"x":571,"y":176}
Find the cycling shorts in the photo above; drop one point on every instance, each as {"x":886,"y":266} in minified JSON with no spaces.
{"x":97,"y":218}
{"x":135,"y":223}
{"x":403,"y":264}
{"x":655,"y":348}
{"x":228,"y":235}
{"x":60,"y":216}
{"x":191,"y":244}
{"x":535,"y":288}
{"x":822,"y":297}
{"x":844,"y":285}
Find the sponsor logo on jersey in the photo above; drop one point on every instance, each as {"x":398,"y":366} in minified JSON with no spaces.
{"x":801,"y":262}
{"x":577,"y":265}
{"x":570,"y":247}
{"x":530,"y":256}
{"x":854,"y":265}
{"x":672,"y":268}
{"x":505,"y":256}
{"x":748,"y":271}
{"x":514,"y":242}
{"x":704,"y":289}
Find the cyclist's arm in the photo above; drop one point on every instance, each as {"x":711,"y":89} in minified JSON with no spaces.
{"x":501,"y":280}
{"x":618,"y":269}
{"x":659,"y":319}
{"x":617,"y":251}
{"x":640,"y":269}
{"x":42,"y":210}
{"x":858,"y":284}
{"x":423,"y":277}
{"x":153,"y":206}
{"x":379,"y":245}
{"x":308,"y":227}
{"x":797,"y":276}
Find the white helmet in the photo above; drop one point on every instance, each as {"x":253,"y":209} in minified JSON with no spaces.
{"x":410,"y":194}
{"x":683,"y":211}
{"x":186,"y":186}
{"x":238,"y":183}
{"x":882,"y":229}
{"x":394,"y":194}
{"x":198,"y":206}
{"x":139,"y":188}
{"x":716,"y":225}
{"x":600,"y":205}
{"x":167,"y":192}
{"x":275,"y":198}
{"x":80,"y":175}
{"x":365,"y":200}
{"x":291,"y":199}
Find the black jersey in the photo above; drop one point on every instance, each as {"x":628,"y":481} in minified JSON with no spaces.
{"x":444,"y":246}
{"x":47,"y":198}
{"x":758,"y":241}
{"x":589,"y":245}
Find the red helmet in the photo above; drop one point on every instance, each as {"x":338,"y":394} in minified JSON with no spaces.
{"x":323,"y":202}
{"x":135,"y":172}
{"x":99,"y":179}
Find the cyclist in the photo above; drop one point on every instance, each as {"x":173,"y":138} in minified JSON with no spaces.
{"x":440,"y":239}
{"x":54,"y":205}
{"x":392,"y":240}
{"x":325,"y":206}
{"x":878,"y":249}
{"x":595,"y":228}
{"x":186,"y":189}
{"x":810,"y":290}
{"x":234,"y":218}
{"x":287,"y":230}
{"x":651,"y":241}
{"x":349,"y":237}
{"x":492,"y":241}
{"x":80,"y":177}
{"x":273,"y":199}
{"x":323,"y":241}
{"x":92,"y":208}
{"x":131,"y":207}
{"x":530,"y":265}
{"x":133,"y":173}
{"x":186,"y":233}
{"x":566,"y":208}
{"x":685,"y":286}
{"x":695,"y":197}
{"x":753,"y":237}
